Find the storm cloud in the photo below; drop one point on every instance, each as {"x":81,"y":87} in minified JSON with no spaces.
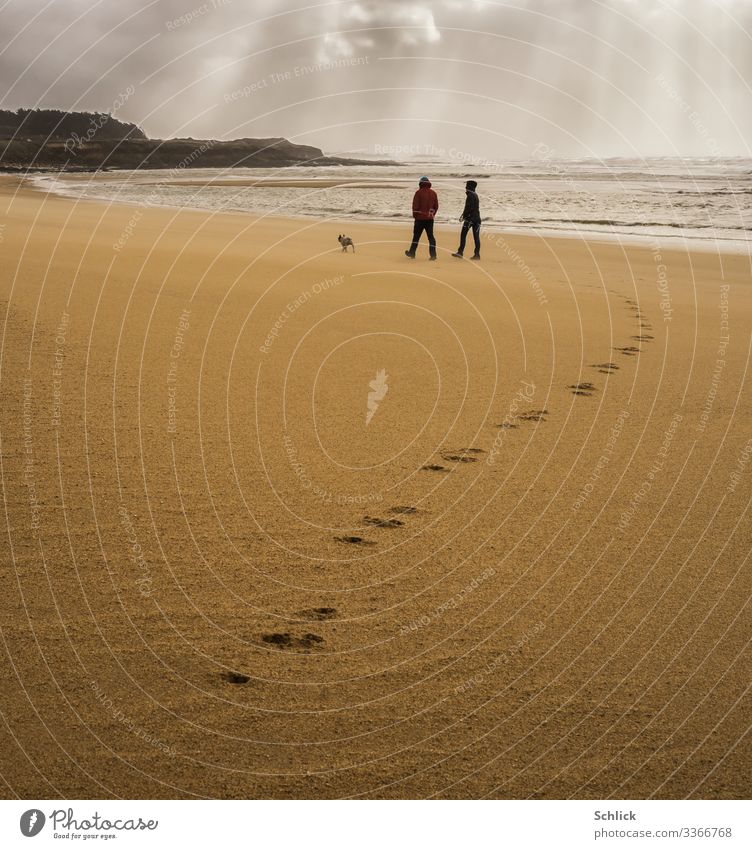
{"x":485,"y":79}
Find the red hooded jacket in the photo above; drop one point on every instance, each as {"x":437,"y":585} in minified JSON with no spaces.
{"x":425,"y":203}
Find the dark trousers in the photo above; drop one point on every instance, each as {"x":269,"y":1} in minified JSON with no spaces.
{"x":418,"y":228}
{"x":466,"y":225}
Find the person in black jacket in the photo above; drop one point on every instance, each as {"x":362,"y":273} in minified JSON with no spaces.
{"x":470,"y":218}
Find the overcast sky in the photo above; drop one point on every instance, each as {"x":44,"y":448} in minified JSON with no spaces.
{"x":479,"y":79}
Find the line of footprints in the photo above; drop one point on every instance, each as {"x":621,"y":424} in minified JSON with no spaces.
{"x":308,"y":640}
{"x":376,"y":522}
{"x":587,"y":388}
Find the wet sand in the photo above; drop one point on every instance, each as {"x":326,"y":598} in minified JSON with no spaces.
{"x":130,"y":177}
{"x":284,"y":522}
{"x":295,"y":184}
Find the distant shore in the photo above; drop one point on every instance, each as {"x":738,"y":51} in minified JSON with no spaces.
{"x":47,"y":139}
{"x":30,"y":156}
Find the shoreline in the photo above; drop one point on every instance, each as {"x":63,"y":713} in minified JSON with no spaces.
{"x":679,"y":242}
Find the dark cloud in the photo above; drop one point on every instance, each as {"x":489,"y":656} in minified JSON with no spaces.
{"x":629,"y":77}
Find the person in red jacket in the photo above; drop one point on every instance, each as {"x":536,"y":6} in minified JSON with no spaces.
{"x":425,"y":207}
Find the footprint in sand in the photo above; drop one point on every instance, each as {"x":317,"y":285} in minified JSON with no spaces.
{"x":533,"y":416}
{"x":288,"y":641}
{"x":582,"y":388}
{"x":235,"y":677}
{"x":433,"y":467}
{"x":404,"y":510}
{"x":318,"y":613}
{"x":462,"y":456}
{"x":606,"y":368}
{"x":628,"y":351}
{"x":382,"y":523}
{"x":355,"y":540}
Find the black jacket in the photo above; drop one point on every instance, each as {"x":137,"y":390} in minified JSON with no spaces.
{"x":471,"y":212}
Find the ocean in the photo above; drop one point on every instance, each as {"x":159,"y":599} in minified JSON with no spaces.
{"x":679,"y":200}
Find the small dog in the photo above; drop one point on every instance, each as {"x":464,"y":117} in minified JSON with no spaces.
{"x":346,"y":242}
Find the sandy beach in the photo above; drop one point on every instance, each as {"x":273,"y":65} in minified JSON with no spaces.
{"x":292,"y":523}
